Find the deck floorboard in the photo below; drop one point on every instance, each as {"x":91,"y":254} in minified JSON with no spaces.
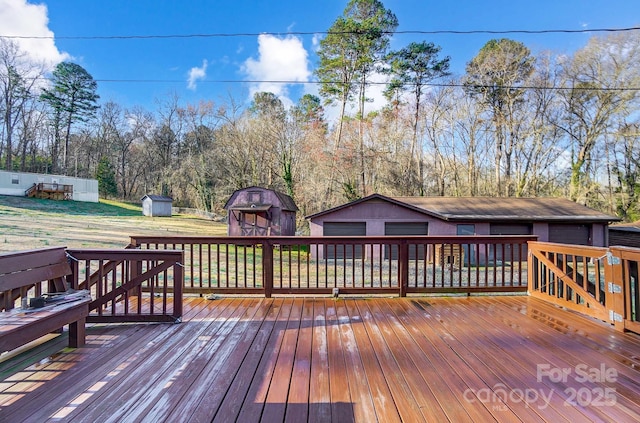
{"x":485,"y":358}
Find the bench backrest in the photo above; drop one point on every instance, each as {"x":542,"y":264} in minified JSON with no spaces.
{"x":26,"y":268}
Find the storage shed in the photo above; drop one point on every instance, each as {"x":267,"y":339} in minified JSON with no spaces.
{"x":551,"y":219}
{"x":625,"y":234}
{"x":156,"y":205}
{"x":257,"y":211}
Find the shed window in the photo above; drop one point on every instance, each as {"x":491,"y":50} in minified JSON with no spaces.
{"x":15,"y":179}
{"x":255,"y":197}
{"x":465,"y":229}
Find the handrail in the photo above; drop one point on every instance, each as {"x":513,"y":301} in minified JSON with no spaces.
{"x":50,"y":188}
{"x":129,"y":285}
{"x":625,"y":287}
{"x":31,"y":189}
{"x":596,"y":281}
{"x":350,"y":265}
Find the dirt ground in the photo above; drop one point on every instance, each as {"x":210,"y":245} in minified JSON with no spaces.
{"x":27,"y":223}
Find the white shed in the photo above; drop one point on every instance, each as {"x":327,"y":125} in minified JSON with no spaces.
{"x":156,"y":205}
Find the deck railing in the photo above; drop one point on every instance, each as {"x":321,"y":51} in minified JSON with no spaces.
{"x":349,"y":265}
{"x":599,"y":282}
{"x":50,"y":190}
{"x":625,"y":287}
{"x":130,"y":285}
{"x":146,"y":281}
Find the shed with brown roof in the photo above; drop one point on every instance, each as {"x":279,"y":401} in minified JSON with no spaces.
{"x":551,"y":219}
{"x":625,"y":234}
{"x":257,"y":211}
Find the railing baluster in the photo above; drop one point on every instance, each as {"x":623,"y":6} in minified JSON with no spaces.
{"x":436,"y":264}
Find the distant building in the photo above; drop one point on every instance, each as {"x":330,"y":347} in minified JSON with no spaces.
{"x":257,"y":211}
{"x":625,"y":234}
{"x":18,"y":183}
{"x":550,"y":219}
{"x":156,"y":205}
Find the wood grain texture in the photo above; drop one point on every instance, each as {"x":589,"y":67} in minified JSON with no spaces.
{"x":321,"y":359}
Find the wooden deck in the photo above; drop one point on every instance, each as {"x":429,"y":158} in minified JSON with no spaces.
{"x":499,"y":358}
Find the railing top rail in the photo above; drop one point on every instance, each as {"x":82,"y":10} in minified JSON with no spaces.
{"x":28,"y":252}
{"x":626,"y":252}
{"x":297,"y":240}
{"x":585,"y":250}
{"x":125,"y":253}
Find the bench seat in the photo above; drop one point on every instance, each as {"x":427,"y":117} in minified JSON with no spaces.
{"x":40,"y":275}
{"x":20,"y":326}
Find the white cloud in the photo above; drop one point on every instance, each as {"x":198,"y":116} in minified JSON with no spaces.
{"x":20,"y":18}
{"x":316,"y":41}
{"x":279,"y":59}
{"x":196,"y":74}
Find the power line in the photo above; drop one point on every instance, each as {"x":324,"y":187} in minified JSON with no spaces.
{"x":315,"y":82}
{"x":255,"y":34}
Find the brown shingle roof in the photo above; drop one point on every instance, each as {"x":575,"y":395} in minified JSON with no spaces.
{"x":491,"y":208}
{"x":626,"y":227}
{"x":499,"y":208}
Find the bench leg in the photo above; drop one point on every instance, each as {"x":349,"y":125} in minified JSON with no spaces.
{"x":77,"y":333}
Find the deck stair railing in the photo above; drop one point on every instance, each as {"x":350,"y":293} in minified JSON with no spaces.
{"x":130,"y":285}
{"x":596,"y":281}
{"x":53,"y":191}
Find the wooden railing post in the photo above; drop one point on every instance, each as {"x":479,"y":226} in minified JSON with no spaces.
{"x":74,"y":277}
{"x":531,"y":272}
{"x":614,"y":290}
{"x":267,"y":267}
{"x":403,"y":267}
{"x":178,"y":283}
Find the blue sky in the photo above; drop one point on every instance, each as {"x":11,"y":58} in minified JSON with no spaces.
{"x":190,"y":66}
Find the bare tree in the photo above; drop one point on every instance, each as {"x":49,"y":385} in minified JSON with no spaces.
{"x":494,"y":76}
{"x":599,"y":81}
{"x":18,"y":79}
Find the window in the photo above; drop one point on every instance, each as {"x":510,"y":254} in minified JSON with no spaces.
{"x":466,"y":229}
{"x":255,"y":197}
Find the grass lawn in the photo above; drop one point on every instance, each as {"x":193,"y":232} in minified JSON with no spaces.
{"x":27,"y":223}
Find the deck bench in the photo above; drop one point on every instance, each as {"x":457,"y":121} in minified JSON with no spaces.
{"x":42,"y":275}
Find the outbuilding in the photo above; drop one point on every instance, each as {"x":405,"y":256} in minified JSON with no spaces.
{"x":156,"y":205}
{"x":625,"y":234}
{"x":550,"y":219}
{"x":24,"y":184}
{"x":257,"y":211}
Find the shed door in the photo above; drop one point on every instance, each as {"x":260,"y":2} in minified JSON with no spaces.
{"x":567,"y":233}
{"x":406,"y":228}
{"x":508,"y":252}
{"x":344,"y":229}
{"x":254,"y":224}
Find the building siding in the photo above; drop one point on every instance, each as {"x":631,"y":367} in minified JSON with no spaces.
{"x":376,"y":212}
{"x":279,"y":220}
{"x":83,"y":189}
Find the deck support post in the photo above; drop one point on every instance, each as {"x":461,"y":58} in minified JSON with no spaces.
{"x":267,"y":267}
{"x":614,"y":288}
{"x":403,"y":268}
{"x":178,"y":284}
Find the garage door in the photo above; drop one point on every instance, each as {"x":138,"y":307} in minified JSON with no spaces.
{"x":508,"y":252}
{"x":406,"y":228}
{"x":344,"y":229}
{"x":570,"y":233}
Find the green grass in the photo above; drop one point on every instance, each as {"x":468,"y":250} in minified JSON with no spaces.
{"x":102,"y":208}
